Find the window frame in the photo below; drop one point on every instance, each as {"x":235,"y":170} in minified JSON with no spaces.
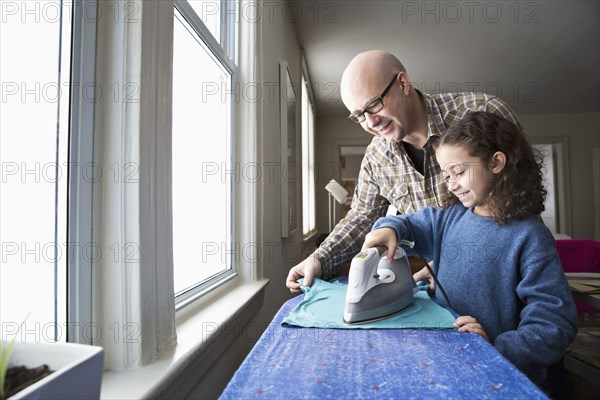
{"x":225,"y":56}
{"x":305,"y":78}
{"x":80,"y":190}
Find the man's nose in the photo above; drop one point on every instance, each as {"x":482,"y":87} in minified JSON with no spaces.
{"x":372,"y":120}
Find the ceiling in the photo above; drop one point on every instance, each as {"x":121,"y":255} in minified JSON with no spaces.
{"x":539,"y":56}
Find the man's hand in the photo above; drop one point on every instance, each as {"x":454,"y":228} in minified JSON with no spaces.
{"x":307,"y":269}
{"x":423,"y":275}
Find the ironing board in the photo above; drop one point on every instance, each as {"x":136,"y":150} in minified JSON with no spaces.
{"x":308,"y":363}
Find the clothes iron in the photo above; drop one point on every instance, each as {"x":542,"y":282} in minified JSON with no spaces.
{"x":376,"y":288}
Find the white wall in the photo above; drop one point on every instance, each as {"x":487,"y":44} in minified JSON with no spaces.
{"x":351,"y":166}
{"x":330,"y":134}
{"x":582,"y":132}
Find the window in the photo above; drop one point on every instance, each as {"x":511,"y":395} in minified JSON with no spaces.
{"x":219,"y":17}
{"x":106,"y":271}
{"x":204,"y":171}
{"x":35,"y":76}
{"x":308,"y":160}
{"x":549,"y":215}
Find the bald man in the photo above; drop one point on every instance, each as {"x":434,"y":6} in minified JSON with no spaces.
{"x":399,"y":167}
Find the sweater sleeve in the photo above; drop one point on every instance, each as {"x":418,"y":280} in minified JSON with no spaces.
{"x":548,"y":319}
{"x":418,"y":227}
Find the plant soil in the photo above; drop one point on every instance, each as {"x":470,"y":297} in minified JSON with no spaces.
{"x":18,"y":378}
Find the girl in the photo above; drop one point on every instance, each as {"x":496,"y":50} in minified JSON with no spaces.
{"x":491,"y":252}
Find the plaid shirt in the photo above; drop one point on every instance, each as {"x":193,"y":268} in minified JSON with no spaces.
{"x":388,"y":176}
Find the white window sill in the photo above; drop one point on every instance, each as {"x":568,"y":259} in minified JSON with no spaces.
{"x":202,"y":336}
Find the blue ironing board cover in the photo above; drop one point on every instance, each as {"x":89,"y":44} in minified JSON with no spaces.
{"x":316,"y":363}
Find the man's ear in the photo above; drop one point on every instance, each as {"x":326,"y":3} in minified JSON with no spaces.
{"x":404,"y":82}
{"x":498,"y":162}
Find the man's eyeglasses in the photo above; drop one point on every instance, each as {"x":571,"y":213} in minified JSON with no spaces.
{"x":373,"y":107}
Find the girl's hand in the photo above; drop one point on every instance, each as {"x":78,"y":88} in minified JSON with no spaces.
{"x":384,"y":236}
{"x":466,"y":323}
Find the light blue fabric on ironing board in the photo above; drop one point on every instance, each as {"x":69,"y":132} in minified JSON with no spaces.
{"x":323,"y":307}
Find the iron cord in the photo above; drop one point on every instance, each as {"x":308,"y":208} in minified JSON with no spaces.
{"x":437,"y":282}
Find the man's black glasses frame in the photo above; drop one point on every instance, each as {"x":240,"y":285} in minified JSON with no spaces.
{"x":374,"y":106}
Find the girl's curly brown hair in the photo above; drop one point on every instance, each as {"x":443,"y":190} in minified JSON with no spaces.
{"x":515,"y":192}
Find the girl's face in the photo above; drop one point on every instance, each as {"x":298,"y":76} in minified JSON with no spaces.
{"x":469,"y":178}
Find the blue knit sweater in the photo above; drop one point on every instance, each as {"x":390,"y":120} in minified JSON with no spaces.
{"x":508,"y":277}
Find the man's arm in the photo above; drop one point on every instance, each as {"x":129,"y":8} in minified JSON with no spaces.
{"x":348,"y":235}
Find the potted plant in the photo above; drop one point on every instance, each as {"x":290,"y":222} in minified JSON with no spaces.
{"x":76,"y":369}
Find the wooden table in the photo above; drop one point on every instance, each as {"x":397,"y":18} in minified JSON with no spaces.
{"x":583,"y":354}
{"x":585,"y":288}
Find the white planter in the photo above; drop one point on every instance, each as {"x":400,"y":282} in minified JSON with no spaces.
{"x":77,"y":370}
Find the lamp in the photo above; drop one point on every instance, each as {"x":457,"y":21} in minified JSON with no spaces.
{"x":337,"y":192}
